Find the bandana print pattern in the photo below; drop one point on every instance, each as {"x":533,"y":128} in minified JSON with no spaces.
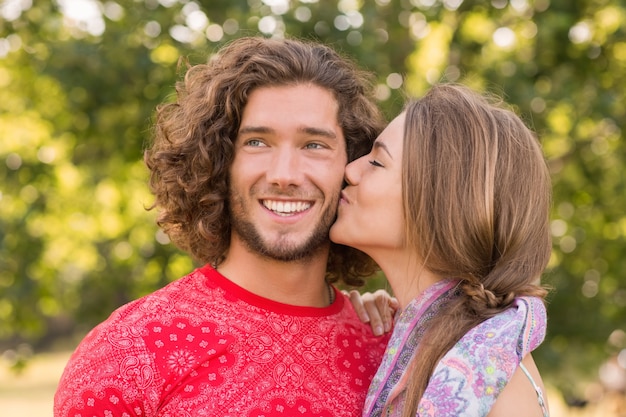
{"x":204,"y":347}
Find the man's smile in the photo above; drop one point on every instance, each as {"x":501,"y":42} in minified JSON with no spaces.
{"x":286,"y":208}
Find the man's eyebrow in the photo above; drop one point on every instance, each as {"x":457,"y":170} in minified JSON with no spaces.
{"x":311,"y":131}
{"x":315,"y":131}
{"x":255,"y":129}
{"x":381,"y":145}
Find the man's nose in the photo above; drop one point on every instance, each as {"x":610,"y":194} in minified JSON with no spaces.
{"x":285,"y":168}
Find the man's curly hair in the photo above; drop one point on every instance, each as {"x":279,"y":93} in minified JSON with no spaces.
{"x":193,"y":149}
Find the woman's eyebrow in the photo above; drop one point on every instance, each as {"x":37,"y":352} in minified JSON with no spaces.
{"x":381,"y":145}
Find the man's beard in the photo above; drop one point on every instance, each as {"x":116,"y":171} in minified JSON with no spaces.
{"x":281,"y":250}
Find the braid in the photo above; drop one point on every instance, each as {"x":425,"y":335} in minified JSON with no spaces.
{"x":484,"y":302}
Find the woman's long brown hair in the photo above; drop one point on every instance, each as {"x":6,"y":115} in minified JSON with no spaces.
{"x":477,"y":194}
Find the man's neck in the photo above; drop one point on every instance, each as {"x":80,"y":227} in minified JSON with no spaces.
{"x":299,"y":283}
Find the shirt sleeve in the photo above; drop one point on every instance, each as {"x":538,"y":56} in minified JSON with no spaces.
{"x":108,"y":375}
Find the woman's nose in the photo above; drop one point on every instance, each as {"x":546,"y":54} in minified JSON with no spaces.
{"x":353,"y":171}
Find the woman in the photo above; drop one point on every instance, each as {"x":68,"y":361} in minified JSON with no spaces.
{"x":452,"y":203}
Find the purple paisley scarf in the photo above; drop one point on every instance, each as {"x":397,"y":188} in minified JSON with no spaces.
{"x":468,"y":379}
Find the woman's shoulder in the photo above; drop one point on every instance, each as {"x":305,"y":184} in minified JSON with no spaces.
{"x":481,"y":363}
{"x":522,"y":326}
{"x":502,"y":341}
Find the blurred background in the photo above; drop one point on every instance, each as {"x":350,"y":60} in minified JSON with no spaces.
{"x":80,"y":79}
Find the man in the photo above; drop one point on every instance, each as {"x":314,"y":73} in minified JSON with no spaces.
{"x":247,"y":168}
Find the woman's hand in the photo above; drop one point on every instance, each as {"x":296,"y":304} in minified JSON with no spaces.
{"x":377,"y":308}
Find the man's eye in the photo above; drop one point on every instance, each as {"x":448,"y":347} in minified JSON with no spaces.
{"x":314,"y":145}
{"x":254,"y":142}
{"x":375,"y":163}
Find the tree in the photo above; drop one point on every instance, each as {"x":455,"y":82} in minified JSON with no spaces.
{"x":79,"y":81}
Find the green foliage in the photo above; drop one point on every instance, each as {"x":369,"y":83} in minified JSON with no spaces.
{"x":77,"y":95}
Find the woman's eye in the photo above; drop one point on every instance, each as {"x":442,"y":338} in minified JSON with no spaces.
{"x":375,"y":163}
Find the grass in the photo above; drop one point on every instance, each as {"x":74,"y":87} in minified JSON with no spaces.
{"x":31,"y":393}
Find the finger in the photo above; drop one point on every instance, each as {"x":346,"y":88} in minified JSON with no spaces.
{"x":394,"y":304}
{"x":383,"y":304}
{"x":373,"y":304}
{"x":386,"y":306}
{"x":359,"y":308}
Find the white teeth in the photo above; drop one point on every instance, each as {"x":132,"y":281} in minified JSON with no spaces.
{"x":285,"y":208}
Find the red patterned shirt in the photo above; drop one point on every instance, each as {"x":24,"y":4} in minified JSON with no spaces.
{"x":203,"y":346}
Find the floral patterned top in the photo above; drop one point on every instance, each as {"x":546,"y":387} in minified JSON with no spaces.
{"x":469,"y":378}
